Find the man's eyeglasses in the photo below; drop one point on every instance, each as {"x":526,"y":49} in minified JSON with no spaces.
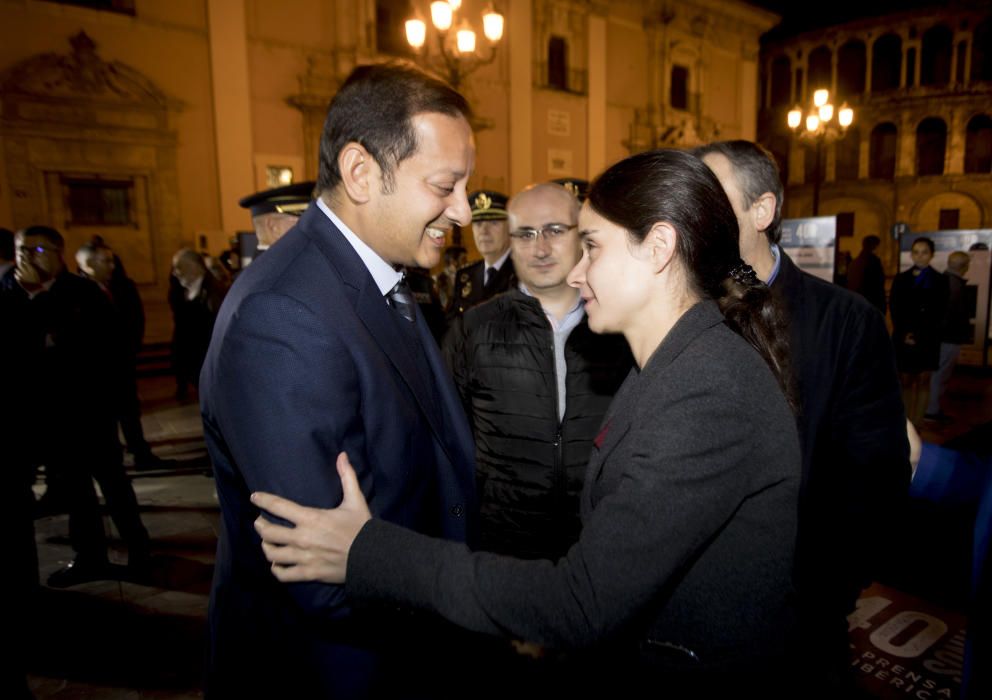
{"x":551,"y":232}
{"x":34,"y":249}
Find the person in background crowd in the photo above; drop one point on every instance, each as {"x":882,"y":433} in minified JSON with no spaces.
{"x":66,"y":337}
{"x":428,"y":298}
{"x":918,"y":301}
{"x":97,"y":262}
{"x":230,"y":258}
{"x":19,"y":584}
{"x":492,"y":275}
{"x":682,"y":574}
{"x":195,"y":296}
{"x":955,"y":330}
{"x":866,"y":276}
{"x":454,"y":258}
{"x":275,"y":211}
{"x":851,"y":421}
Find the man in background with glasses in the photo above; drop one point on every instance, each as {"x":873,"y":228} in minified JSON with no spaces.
{"x":535,"y":382}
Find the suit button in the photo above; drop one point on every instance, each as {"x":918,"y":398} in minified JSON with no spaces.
{"x":456,"y":511}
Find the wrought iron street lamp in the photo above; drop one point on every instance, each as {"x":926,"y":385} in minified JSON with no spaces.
{"x":457,"y":56}
{"x":820,"y":126}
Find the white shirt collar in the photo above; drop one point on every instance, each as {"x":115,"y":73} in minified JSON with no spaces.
{"x":384,"y":274}
{"x":499,"y":263}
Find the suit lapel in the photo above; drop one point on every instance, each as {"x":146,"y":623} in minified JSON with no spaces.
{"x":373,"y":311}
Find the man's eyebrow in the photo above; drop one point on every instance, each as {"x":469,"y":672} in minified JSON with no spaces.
{"x":447,"y":172}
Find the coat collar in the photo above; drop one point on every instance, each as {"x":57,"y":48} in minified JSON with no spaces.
{"x":623,"y":411}
{"x":700,"y":317}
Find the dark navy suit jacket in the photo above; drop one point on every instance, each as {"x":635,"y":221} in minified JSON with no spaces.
{"x":307,"y":360}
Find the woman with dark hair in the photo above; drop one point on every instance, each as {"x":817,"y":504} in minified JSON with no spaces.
{"x":682,"y":572}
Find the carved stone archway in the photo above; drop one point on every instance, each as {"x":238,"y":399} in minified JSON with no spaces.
{"x":75,"y":121}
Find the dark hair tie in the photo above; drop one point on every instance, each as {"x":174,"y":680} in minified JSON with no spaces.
{"x":744,"y":274}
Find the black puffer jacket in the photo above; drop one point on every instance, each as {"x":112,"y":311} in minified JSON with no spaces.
{"x":530,"y":465}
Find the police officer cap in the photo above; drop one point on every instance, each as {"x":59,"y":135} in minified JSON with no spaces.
{"x":578,"y":187}
{"x":290,"y":199}
{"x":487,"y":205}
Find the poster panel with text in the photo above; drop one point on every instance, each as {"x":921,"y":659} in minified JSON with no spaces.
{"x":811,"y":243}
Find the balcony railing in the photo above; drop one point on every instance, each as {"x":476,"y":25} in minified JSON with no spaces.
{"x":574,"y":81}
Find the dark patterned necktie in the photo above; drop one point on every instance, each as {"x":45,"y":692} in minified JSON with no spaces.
{"x":401,"y":298}
{"x":490,"y":274}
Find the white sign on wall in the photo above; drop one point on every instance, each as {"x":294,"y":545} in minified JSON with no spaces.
{"x":559,"y":122}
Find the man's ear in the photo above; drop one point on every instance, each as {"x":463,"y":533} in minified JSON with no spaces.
{"x":357,"y":169}
{"x":659,"y":244}
{"x":763,"y":211}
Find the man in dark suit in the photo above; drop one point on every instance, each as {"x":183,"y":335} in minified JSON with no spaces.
{"x":851,"y":420}
{"x":318,"y":349}
{"x":492,"y":275}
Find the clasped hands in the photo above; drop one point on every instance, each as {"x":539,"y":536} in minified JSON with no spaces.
{"x":316,"y":547}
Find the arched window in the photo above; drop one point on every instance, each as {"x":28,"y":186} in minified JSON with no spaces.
{"x":846,"y":155}
{"x":886,"y":62}
{"x":819,"y":70}
{"x":931,"y":142}
{"x":935,"y":59}
{"x":978,"y":145}
{"x":781,"y":75}
{"x":981,"y":52}
{"x":852,"y":63}
{"x":882,"y":151}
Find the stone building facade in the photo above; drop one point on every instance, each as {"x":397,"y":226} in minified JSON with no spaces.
{"x":919,"y":150}
{"x":145,"y":121}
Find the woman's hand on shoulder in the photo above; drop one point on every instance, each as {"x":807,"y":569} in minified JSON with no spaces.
{"x":316,"y":547}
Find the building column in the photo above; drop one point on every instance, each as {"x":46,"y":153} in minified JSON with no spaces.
{"x":869,"y":53}
{"x":519,"y":37}
{"x":906,"y":147}
{"x":232,"y":111}
{"x":596,"y":102}
{"x":954,"y":164}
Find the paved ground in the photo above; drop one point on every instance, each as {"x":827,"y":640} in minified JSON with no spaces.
{"x":130,"y":639}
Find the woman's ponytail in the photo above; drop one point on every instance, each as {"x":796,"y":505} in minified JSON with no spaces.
{"x":750,"y":309}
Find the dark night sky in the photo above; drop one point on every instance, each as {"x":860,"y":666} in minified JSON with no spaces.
{"x":800,"y":16}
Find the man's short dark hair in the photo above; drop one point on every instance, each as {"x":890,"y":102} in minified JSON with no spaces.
{"x":6,"y":244}
{"x":870,"y":243}
{"x":756,"y":172}
{"x":53,"y":237}
{"x":374,"y":107}
{"x":928,"y":242}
